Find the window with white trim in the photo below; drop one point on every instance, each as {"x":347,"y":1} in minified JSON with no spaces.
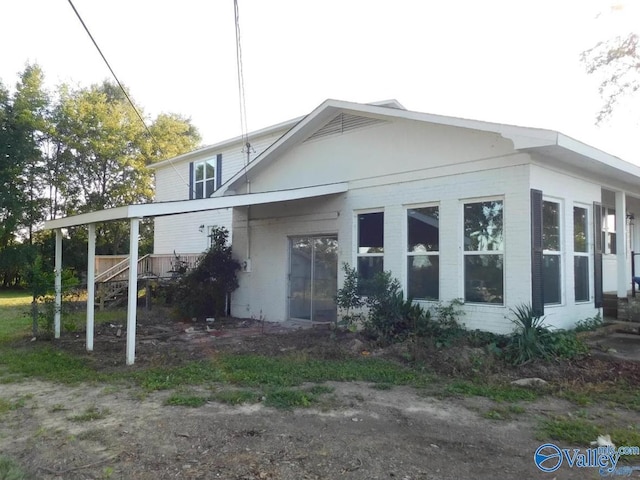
{"x":581,"y":254}
{"x":484,"y":251}
{"x":423,"y":248}
{"x":609,"y":230}
{"x":551,"y":253}
{"x":370,"y":252}
{"x":204,"y":178}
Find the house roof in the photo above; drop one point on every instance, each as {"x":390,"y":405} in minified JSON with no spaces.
{"x":551,"y":147}
{"x":189,"y":206}
{"x":549,"y":144}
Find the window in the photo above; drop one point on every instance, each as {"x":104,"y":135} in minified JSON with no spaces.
{"x":484,"y":252}
{"x":370,"y":248}
{"x":581,"y":254}
{"x":423,"y":266}
{"x":608,"y":230}
{"x":552,"y":253}
{"x":204,"y":178}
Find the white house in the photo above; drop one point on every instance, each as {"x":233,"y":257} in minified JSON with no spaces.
{"x":496,"y":215}
{"x":197,"y":175}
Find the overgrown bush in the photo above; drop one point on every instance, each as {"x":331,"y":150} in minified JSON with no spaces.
{"x":532,"y":339}
{"x":387,"y":316}
{"x":204,"y":290}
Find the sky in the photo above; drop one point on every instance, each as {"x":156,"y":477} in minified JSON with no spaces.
{"x":506,"y":61}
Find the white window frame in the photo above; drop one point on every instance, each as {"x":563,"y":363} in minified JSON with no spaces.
{"x":408,"y":254}
{"x":356,"y":236}
{"x":608,"y":229}
{"x":561,"y":247}
{"x":502,"y":252}
{"x":586,"y":253}
{"x":205,"y":193}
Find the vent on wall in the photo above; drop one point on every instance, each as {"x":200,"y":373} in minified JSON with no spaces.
{"x":342,"y":123}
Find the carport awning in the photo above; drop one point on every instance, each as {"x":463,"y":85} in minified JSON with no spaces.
{"x":188,"y":206}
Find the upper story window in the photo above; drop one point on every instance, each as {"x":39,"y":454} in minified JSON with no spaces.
{"x":205,"y":177}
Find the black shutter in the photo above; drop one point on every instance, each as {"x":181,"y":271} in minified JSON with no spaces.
{"x":191,"y":181}
{"x":597,"y":254}
{"x":218,"y":170}
{"x":537,"y":297}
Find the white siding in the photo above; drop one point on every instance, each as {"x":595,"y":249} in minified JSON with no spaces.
{"x":569,"y":191}
{"x":263,"y":291}
{"x":375,"y":152}
{"x":181,"y":233}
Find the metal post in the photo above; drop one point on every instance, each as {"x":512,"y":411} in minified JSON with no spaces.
{"x":633,"y":274}
{"x":58,"y":284}
{"x":91,"y":284}
{"x":133,"y":290}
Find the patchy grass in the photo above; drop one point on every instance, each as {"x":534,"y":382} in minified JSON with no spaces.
{"x":90,"y":414}
{"x":496,"y":392}
{"x":186,"y":400}
{"x":286,"y":398}
{"x":14,"y":314}
{"x":47,"y":363}
{"x":503,"y":413}
{"x":236,"y":397}
{"x":604,"y":393}
{"x":10,"y":470}
{"x":8,"y":405}
{"x":575,"y":431}
{"x":253,"y":370}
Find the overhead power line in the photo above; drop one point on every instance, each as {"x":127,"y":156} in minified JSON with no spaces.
{"x":135,"y":109}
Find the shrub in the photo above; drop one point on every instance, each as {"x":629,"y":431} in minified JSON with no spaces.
{"x":529,"y":339}
{"x":532,"y":339}
{"x":589,"y":324}
{"x":349,"y":300}
{"x":204,"y":290}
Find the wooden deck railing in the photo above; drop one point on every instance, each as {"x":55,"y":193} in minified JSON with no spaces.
{"x":116,"y":267}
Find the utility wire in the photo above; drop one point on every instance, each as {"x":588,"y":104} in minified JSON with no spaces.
{"x":241,"y":92}
{"x":135,"y":109}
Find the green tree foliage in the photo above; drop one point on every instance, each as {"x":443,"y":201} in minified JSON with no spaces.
{"x":74,"y":151}
{"x":203,"y":291}
{"x":617,"y":62}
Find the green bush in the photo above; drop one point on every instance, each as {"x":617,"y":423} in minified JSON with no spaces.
{"x":589,"y":324}
{"x":388,"y":317}
{"x":204,"y":290}
{"x":530,"y":338}
{"x":533,"y":339}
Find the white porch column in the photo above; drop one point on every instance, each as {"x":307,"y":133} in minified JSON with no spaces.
{"x":58,"y":284}
{"x":91,"y":284}
{"x":624,"y":282}
{"x":133,"y":290}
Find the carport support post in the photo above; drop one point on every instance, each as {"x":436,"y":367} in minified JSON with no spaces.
{"x":133,"y":290}
{"x":91,"y":284}
{"x":57,"y":284}
{"x":621,"y":244}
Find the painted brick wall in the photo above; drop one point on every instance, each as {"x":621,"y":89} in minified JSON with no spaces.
{"x":569,"y":191}
{"x":263,"y":291}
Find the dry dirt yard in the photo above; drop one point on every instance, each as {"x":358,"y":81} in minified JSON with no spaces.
{"x":100,"y":431}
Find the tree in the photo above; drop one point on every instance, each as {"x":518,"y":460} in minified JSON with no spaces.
{"x":204,"y":290}
{"x":618,"y":62}
{"x":80,"y":150}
